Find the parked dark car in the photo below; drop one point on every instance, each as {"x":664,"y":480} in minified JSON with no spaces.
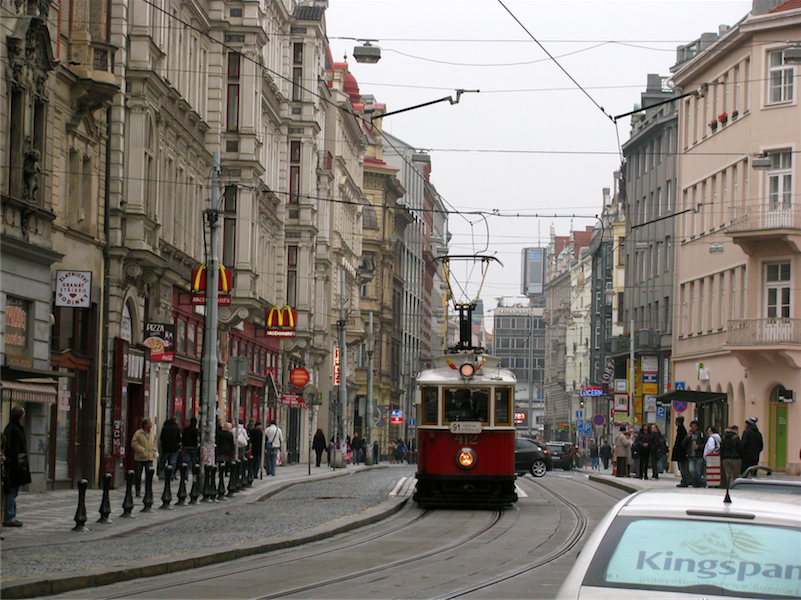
{"x":531,"y":457}
{"x":563,"y":454}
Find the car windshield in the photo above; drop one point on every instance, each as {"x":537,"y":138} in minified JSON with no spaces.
{"x":703,"y":557}
{"x":555,"y":447}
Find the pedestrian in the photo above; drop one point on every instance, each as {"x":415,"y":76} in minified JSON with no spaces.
{"x":622,"y":448}
{"x":644,"y":449}
{"x":658,"y":451}
{"x":144,"y":446}
{"x":398,"y":450}
{"x":356,"y":447}
{"x":4,"y":480}
{"x":750,"y":444}
{"x":170,"y":439}
{"x":225,"y":444}
{"x":634,"y":454}
{"x":257,"y":445}
{"x":730,"y":455}
{"x":711,"y":446}
{"x":241,"y":439}
{"x":18,"y":470}
{"x":393,"y":445}
{"x":376,"y":453}
{"x":189,"y":443}
{"x":606,"y":454}
{"x":319,"y":445}
{"x":694,"y":444}
{"x":594,"y":455}
{"x":273,"y":438}
{"x":679,"y":453}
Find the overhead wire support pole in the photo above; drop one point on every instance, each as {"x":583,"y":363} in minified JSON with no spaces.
{"x":448,"y":98}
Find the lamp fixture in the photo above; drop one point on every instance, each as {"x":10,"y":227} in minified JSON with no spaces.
{"x":367,"y":53}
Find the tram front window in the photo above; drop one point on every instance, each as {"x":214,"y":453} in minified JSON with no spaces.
{"x":466,"y":405}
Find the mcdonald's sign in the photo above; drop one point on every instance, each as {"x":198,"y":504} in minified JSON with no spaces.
{"x":224,"y":281}
{"x":281,"y":321}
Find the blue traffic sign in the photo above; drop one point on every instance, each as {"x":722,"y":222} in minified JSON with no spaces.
{"x":661,"y":412}
{"x":587,"y":428}
{"x":679,"y":406}
{"x":598,"y":419}
{"x":679,"y":385}
{"x":579,"y":424}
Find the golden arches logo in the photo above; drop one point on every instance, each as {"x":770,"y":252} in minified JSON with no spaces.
{"x":199,"y":279}
{"x":281,"y":317}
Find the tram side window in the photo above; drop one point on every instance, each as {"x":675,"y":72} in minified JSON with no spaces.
{"x":503,"y":406}
{"x":429,"y":406}
{"x":466,"y":405}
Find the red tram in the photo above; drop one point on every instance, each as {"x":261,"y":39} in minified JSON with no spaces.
{"x":466,"y":431}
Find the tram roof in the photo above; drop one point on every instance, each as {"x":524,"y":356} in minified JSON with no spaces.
{"x":490,"y":372}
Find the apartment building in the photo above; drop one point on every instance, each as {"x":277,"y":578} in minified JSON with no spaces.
{"x":737,"y":319}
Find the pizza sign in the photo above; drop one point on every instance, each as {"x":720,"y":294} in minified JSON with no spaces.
{"x":160,"y":338}
{"x":74,"y":289}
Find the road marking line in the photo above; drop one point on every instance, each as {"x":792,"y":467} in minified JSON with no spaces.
{"x":520,"y":492}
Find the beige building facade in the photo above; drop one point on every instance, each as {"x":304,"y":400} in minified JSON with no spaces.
{"x":737,"y":318}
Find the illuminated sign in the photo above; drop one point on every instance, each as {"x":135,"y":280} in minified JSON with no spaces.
{"x":280,"y":322}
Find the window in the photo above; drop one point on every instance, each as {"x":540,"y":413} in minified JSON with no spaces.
{"x":429,"y":406}
{"x":294,"y":171}
{"x":297,"y":84}
{"x":297,"y":54}
{"x":292,"y":275}
{"x":229,"y":226}
{"x":780,"y":180}
{"x":503,"y":406}
{"x":780,"y":78}
{"x":777,"y":289}
{"x":232,"y":121}
{"x":466,"y":405}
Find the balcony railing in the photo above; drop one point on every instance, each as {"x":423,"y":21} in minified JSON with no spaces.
{"x":765,"y":217}
{"x":764,"y":332}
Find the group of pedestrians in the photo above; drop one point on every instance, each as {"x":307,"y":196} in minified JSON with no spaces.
{"x":181,"y":446}
{"x":635,"y":454}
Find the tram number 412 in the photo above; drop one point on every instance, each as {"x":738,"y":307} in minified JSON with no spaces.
{"x":465,"y":439}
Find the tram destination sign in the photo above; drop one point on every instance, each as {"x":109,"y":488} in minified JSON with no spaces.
{"x":466,"y":427}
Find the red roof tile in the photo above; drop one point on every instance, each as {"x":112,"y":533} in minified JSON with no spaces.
{"x":789,"y":5}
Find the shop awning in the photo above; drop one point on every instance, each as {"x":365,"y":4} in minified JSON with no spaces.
{"x":690,"y":396}
{"x":18,"y":391}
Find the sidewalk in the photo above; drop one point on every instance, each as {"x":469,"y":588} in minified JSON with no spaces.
{"x":45,"y":557}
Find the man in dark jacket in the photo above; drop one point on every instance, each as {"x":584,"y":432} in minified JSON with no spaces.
{"x":750,"y":444}
{"x":190,"y":438}
{"x":679,"y":453}
{"x":606,"y":454}
{"x":17,"y":469}
{"x":170,"y":446}
{"x":644,"y":449}
{"x":257,"y":446}
{"x":730,"y":455}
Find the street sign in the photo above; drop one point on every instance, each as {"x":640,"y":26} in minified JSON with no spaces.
{"x":311,"y":395}
{"x":299,"y":376}
{"x":587,"y":428}
{"x":579,"y":425}
{"x":396,"y":417}
{"x":598,"y":419}
{"x":579,"y":415}
{"x":679,"y":406}
{"x":661,"y":412}
{"x":679,"y":385}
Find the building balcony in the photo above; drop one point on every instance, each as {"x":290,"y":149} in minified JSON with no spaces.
{"x":764,"y":332}
{"x":751,"y":226}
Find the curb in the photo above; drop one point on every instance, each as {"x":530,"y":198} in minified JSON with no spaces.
{"x":616,"y":484}
{"x":58,"y":585}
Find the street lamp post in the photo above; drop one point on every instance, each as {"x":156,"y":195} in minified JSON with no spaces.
{"x":209,"y":399}
{"x":368,"y":430}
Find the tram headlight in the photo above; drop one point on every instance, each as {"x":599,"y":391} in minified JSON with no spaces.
{"x":466,"y":458}
{"x":467,"y":370}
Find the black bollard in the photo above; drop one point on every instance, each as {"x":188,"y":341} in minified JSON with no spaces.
{"x":238,"y":475}
{"x":232,"y":479}
{"x":127,"y":502}
{"x":183,"y":468}
{"x":148,"y":499}
{"x":213,"y":483}
{"x":206,"y":484}
{"x":249,"y":472}
{"x":105,"y":503}
{"x":221,"y":486}
{"x":166,"y":495}
{"x":194,"y":492}
{"x":80,"y":513}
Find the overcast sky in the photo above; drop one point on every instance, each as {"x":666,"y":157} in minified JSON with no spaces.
{"x":530,"y":142}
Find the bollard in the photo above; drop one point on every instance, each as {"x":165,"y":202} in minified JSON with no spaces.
{"x":183,"y":468}
{"x":232,"y":479}
{"x":148,"y":499}
{"x":105,"y":503}
{"x":249,"y":466}
{"x":80,"y":513}
{"x":221,"y":486}
{"x":207,"y":483}
{"x":246,"y":472}
{"x":127,"y":502}
{"x":238,"y":476}
{"x":194,"y":492}
{"x":213,"y":484}
{"x":166,"y":495}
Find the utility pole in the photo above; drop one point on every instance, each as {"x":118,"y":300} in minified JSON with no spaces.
{"x":368,"y":432}
{"x":632,"y":411}
{"x":343,"y":366}
{"x":209,"y":400}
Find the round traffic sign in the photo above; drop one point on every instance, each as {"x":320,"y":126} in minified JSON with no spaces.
{"x":299,"y":376}
{"x":598,"y":419}
{"x":311,"y":395}
{"x":679,"y":405}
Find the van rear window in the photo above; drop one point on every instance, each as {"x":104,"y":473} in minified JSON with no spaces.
{"x":704,"y":557}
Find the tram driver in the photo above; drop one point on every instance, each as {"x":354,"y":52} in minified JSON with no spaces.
{"x":464,"y":405}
